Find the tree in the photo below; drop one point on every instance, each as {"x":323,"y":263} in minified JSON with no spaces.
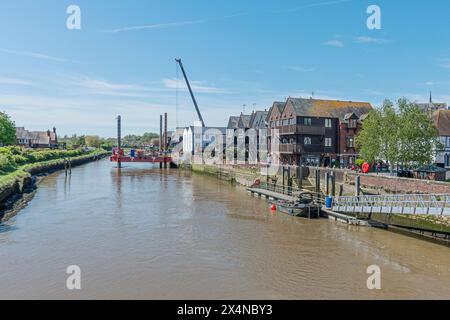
{"x":418,"y":135}
{"x":378,"y":138}
{"x":93,"y":141}
{"x":405,"y":135}
{"x":7,"y":130}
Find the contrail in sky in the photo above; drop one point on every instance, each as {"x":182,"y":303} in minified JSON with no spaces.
{"x":206,"y":20}
{"x":34,"y":55}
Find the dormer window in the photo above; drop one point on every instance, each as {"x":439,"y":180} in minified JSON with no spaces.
{"x":352,"y":123}
{"x":307,"y":121}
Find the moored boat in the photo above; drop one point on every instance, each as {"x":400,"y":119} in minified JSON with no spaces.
{"x":305,"y":207}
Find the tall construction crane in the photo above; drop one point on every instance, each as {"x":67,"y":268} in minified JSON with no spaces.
{"x":192,"y":93}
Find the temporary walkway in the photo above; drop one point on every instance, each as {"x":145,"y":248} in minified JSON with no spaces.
{"x":432,"y":204}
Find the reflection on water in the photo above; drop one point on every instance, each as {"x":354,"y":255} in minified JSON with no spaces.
{"x":142,"y":232}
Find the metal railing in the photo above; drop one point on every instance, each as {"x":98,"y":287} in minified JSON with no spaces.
{"x":433,"y":204}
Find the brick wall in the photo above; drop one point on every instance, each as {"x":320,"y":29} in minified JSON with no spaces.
{"x":386,"y":184}
{"x":400,"y":185}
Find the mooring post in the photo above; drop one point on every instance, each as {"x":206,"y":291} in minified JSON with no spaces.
{"x":119,"y":142}
{"x":70,"y":167}
{"x":166,"y":140}
{"x":289,"y":181}
{"x":327,"y":184}
{"x":318,"y":181}
{"x":358,"y":186}
{"x":300,"y":177}
{"x":333,"y":184}
{"x":161,"y":139}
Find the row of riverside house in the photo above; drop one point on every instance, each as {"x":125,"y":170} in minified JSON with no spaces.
{"x":312,"y":131}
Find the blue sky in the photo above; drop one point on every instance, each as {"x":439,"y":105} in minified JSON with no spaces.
{"x":235,"y":52}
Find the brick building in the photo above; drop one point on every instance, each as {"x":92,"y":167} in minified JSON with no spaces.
{"x":317,"y":132}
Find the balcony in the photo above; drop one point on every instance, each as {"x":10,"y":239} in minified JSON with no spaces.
{"x":290,"y":148}
{"x":301,"y":130}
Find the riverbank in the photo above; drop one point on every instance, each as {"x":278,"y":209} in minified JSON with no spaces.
{"x":430,"y":227}
{"x":23,"y":181}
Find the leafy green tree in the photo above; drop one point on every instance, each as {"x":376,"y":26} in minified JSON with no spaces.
{"x":93,"y":141}
{"x":7,"y":130}
{"x":418,"y":135}
{"x":404,"y":136}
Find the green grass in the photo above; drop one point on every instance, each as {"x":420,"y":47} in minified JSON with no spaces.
{"x":13,"y":175}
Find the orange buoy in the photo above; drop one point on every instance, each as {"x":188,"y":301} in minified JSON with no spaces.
{"x":366,"y":168}
{"x":274,"y":207}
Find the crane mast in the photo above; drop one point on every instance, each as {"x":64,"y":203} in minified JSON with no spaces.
{"x":190,"y":91}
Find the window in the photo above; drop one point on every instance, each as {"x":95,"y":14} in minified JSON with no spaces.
{"x":307,"y":141}
{"x":307,"y":121}
{"x":448,"y":142}
{"x":328,"y":123}
{"x":447,"y":160}
{"x":285,"y":122}
{"x":350,"y":142}
{"x":328,"y":142}
{"x":292,"y":121}
{"x":352,"y":123}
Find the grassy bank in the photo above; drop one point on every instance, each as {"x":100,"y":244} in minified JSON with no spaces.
{"x":14,"y":177}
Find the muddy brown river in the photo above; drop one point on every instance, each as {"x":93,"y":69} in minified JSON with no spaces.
{"x":147,"y":233}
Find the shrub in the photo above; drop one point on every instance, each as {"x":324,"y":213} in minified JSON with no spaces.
{"x":5,"y":164}
{"x":20,"y":159}
{"x":360,"y":162}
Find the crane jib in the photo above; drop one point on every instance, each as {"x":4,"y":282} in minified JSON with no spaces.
{"x":191,"y":92}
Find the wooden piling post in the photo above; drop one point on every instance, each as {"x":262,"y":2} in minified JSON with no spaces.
{"x":300,"y":177}
{"x":327,"y":184}
{"x":166,"y":140}
{"x":119,"y":142}
{"x":358,"y":186}
{"x":333,"y":184}
{"x":318,"y":181}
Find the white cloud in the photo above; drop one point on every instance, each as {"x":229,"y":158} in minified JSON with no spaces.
{"x":366,"y":39}
{"x":14,"y":81}
{"x":334,"y":43}
{"x":34,"y":55}
{"x":298,"y":69}
{"x":197,"y":86}
{"x":444,"y":63}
